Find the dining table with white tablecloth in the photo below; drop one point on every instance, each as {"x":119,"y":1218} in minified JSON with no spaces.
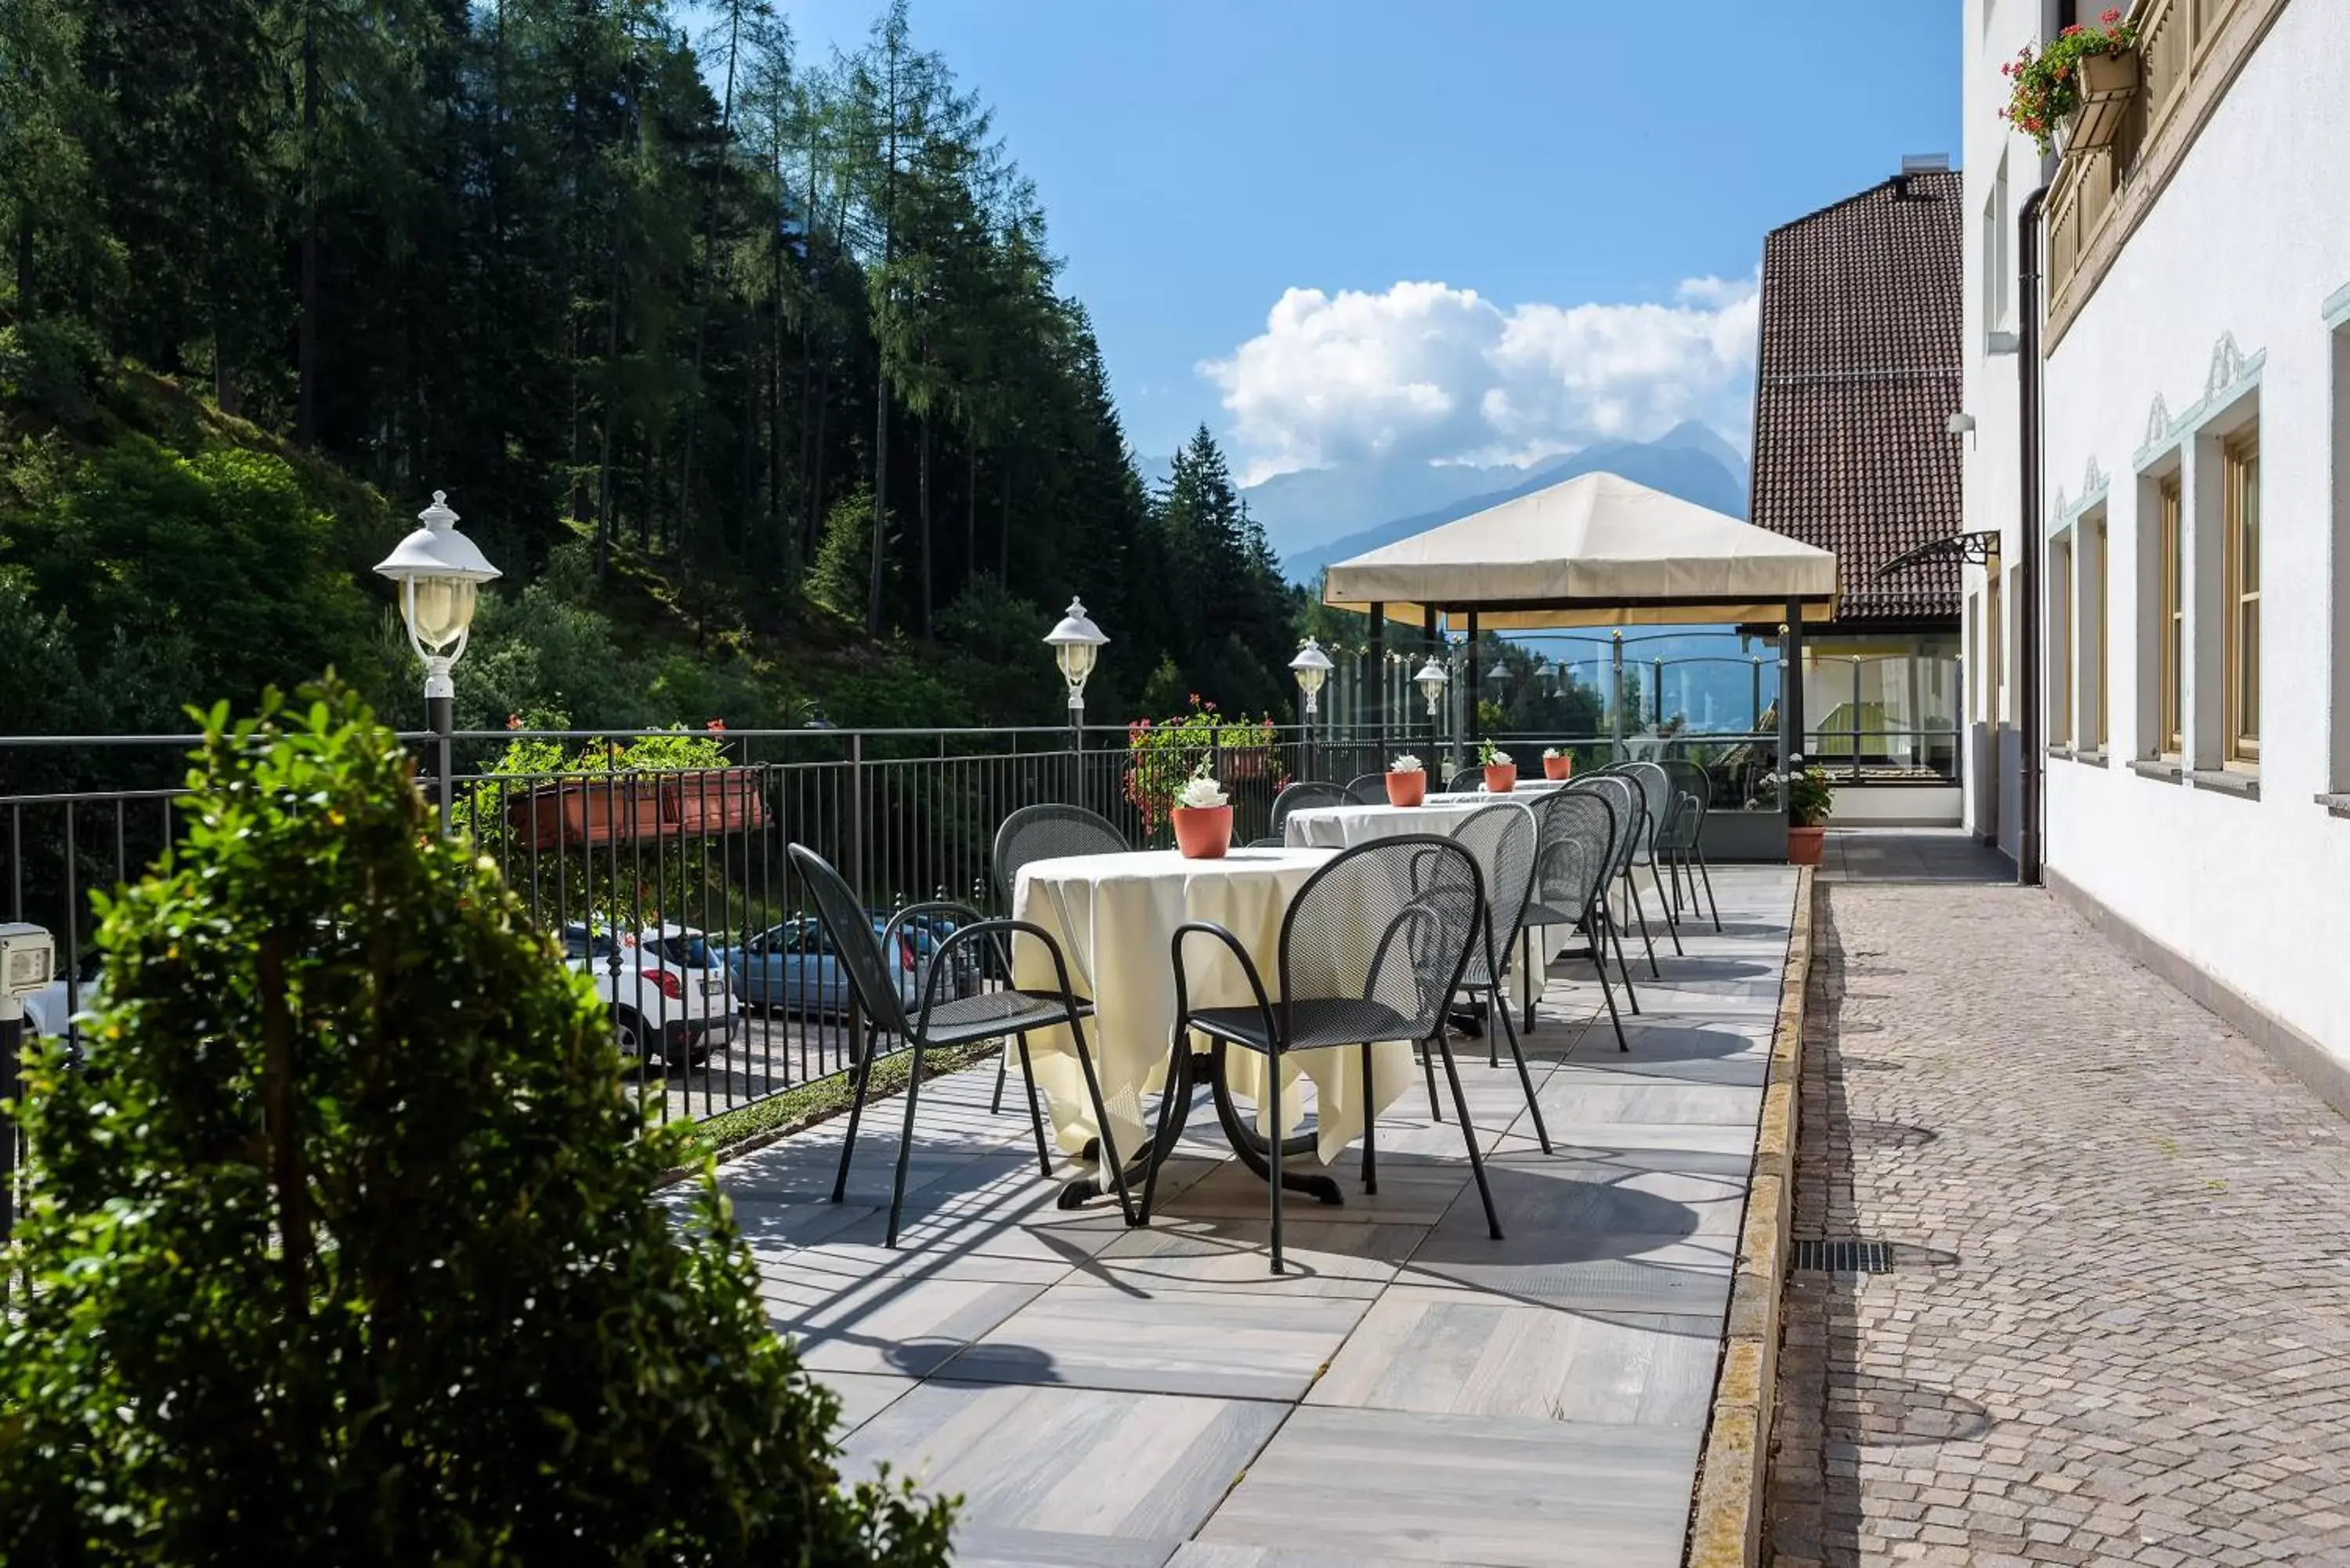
{"x":1344,"y":827}
{"x":1115,"y":917}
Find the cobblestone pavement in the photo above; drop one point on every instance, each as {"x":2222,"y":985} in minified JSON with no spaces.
{"x":2118,"y":1329}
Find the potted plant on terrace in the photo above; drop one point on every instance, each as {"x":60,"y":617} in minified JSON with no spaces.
{"x":1558,"y":763}
{"x":1808,"y":800}
{"x":1500,"y":769}
{"x":1406,"y":781}
{"x":2071,"y":93}
{"x":1204,"y":817}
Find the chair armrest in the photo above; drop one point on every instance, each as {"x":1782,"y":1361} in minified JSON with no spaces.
{"x":965,"y":915}
{"x":1272,"y":1032}
{"x":991,"y":929}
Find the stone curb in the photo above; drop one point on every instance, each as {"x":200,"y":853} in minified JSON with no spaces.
{"x":1726,"y":1516}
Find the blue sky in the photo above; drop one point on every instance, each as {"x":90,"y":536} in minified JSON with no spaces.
{"x":1200,"y":162}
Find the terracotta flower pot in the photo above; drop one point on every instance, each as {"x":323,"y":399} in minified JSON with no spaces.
{"x":1407,"y":789}
{"x":1500,"y":778}
{"x":1803,"y":845}
{"x":1558,"y":767}
{"x":1204,"y":833}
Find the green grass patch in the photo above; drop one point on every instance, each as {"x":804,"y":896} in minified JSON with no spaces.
{"x":805,"y":1104}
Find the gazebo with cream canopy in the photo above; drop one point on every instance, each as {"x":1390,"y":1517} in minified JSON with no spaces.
{"x":1596,"y":550}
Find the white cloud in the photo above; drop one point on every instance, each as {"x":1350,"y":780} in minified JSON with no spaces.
{"x":1429,"y":373}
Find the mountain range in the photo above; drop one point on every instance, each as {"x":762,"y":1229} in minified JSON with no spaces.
{"x":1316,"y":516}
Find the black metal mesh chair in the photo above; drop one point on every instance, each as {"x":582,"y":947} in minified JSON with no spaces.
{"x":1502,"y":837}
{"x":1656,"y":799}
{"x":1044,"y":832}
{"x":1369,"y":789}
{"x":1305,"y":795}
{"x":942,"y":1021}
{"x":1623,"y":798}
{"x":1681,"y":839}
{"x":1468,"y":781}
{"x":1635,"y":826}
{"x":1372,"y":949}
{"x":1572,"y":860}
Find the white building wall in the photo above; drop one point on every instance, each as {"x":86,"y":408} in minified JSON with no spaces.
{"x":2247,"y":244}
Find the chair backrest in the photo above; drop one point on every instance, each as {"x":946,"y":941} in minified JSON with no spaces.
{"x":1047,"y":832}
{"x":1392,"y":921}
{"x":1369,"y":789}
{"x":855,"y":945}
{"x":1468,"y":781}
{"x":1655,"y":799}
{"x":1575,"y":853}
{"x":1503,"y":837}
{"x":1305,"y":794}
{"x":1692,"y":792}
{"x":1624,"y":797}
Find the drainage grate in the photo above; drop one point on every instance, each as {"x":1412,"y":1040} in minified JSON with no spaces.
{"x":1845,"y":1256}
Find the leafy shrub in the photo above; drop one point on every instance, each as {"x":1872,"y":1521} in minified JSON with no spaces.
{"x":1161,"y":757}
{"x":844,"y":556}
{"x":341,"y":1243}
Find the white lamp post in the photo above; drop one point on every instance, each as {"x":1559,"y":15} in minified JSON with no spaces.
{"x":1432,"y":679}
{"x":1076,"y":645}
{"x":1312,"y":667}
{"x":439,"y":573}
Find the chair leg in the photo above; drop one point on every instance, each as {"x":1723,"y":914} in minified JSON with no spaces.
{"x":1599,"y":963}
{"x":1428,"y":1066}
{"x":1108,"y":1150}
{"x":1524,"y":1077}
{"x":1709,"y":887}
{"x":1623,"y":967}
{"x":1672,"y":923}
{"x":1536,"y":978}
{"x":905,"y":1145}
{"x":1003,"y":1068}
{"x":1036,"y":1114}
{"x":1469,"y":1134}
{"x":856,"y":1113}
{"x":1273,"y":1105}
{"x":1178,"y":1084}
{"x":1370,"y":1126}
{"x":1640,"y":912}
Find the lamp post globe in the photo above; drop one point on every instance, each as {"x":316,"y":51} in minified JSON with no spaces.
{"x":438,"y":573}
{"x":1432,"y":679}
{"x":1076,"y":644}
{"x":1311,"y":666}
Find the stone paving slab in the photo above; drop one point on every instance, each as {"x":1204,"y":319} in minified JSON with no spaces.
{"x":1412,"y":1391}
{"x":2118,"y":1329}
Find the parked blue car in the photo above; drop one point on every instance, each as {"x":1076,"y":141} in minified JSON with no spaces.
{"x":794,"y":967}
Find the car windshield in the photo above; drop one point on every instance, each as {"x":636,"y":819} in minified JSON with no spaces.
{"x":686,"y":952}
{"x":578,"y":943}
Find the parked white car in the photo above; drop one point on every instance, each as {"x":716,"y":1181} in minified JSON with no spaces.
{"x":669,"y":990}
{"x":50,"y":1011}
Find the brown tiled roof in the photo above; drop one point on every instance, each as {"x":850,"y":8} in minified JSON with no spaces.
{"x":1858,"y":371}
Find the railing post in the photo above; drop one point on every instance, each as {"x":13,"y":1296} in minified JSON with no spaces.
{"x":1616,"y":699}
{"x":1855,"y":720}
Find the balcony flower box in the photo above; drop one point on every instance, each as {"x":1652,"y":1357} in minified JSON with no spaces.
{"x":568,"y":813}
{"x":700,"y":801}
{"x":2107,"y":84}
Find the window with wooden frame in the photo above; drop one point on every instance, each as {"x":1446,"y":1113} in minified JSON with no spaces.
{"x":2170,"y":631}
{"x":2243,"y":663}
{"x":2105,"y":582}
{"x":2065,"y":672}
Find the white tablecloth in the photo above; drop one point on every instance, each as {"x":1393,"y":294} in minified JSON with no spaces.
{"x":1344,"y":827}
{"x":1114,"y":916}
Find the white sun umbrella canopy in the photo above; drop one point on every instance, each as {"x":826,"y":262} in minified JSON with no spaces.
{"x":1595,"y":550}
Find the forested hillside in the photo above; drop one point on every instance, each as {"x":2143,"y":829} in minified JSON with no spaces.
{"x":673,"y":319}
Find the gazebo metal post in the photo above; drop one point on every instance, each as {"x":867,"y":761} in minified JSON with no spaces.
{"x":1428,"y":641}
{"x":1791,"y":700}
{"x":1470,"y":688}
{"x":1378,"y":666}
{"x":1616,"y":699}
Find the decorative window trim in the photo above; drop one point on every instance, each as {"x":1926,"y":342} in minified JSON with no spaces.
{"x":2336,"y":311}
{"x":2232,"y":377}
{"x":2094,"y":486}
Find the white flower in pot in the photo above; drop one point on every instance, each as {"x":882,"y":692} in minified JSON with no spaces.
{"x":1201,"y":792}
{"x":1405,"y":763}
